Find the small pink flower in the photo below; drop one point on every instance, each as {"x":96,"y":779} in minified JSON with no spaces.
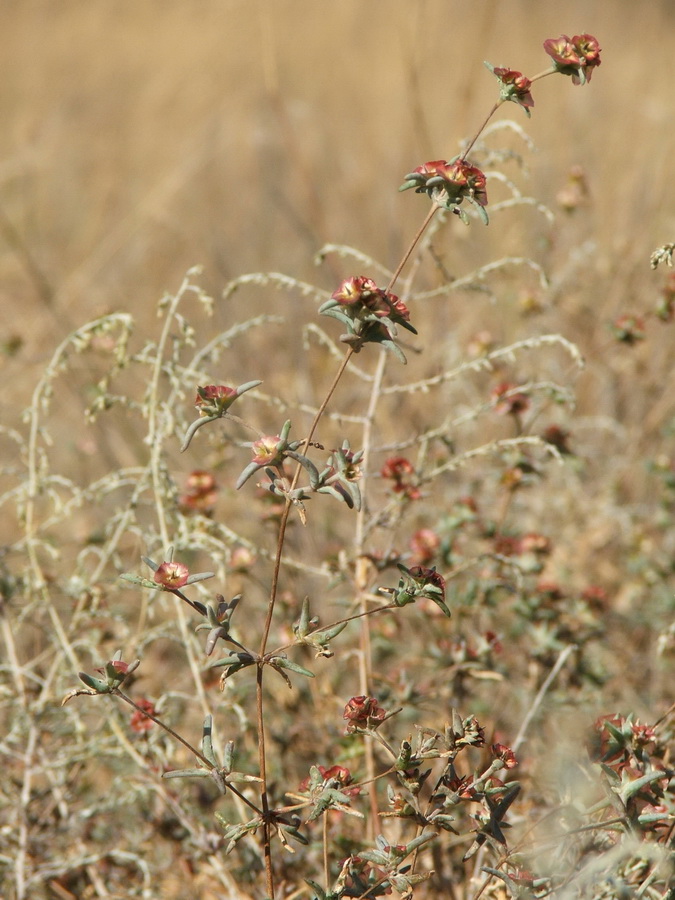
{"x":172,"y":575}
{"x":214,"y":398}
{"x":353,"y":290}
{"x":265,"y":450}
{"x":119,"y":666}
{"x":561,"y":50}
{"x":242,"y":559}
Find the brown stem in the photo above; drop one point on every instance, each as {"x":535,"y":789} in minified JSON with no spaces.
{"x":260,"y":717}
{"x":287,"y":509}
{"x":480,"y":130}
{"x":264,"y":799}
{"x":200,"y":756}
{"x":413,"y":244}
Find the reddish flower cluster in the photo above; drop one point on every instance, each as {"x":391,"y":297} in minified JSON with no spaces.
{"x":362,"y":291}
{"x":633,"y":756}
{"x":619,"y":742}
{"x":449,"y":182}
{"x":515,"y":87}
{"x":334,"y":773}
{"x":505,"y":754}
{"x":201,"y":492}
{"x":400,"y":470}
{"x":428,"y":577}
{"x":362,"y":712}
{"x":576,"y":56}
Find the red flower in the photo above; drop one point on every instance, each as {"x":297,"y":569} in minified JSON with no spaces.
{"x":576,"y":56}
{"x":334,"y":773}
{"x":355,"y":290}
{"x":139,"y":721}
{"x":428,"y":577}
{"x":505,"y":754}
{"x":362,"y":291}
{"x":466,"y":181}
{"x":201,"y":492}
{"x":515,"y":87}
{"x":171,"y":575}
{"x":214,"y":399}
{"x":448,"y":183}
{"x":398,"y":468}
{"x":119,"y":666}
{"x":363,"y":712}
{"x":557,"y":436}
{"x":596,"y":597}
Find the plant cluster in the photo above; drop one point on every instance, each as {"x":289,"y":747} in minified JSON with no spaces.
{"x":392,"y":806}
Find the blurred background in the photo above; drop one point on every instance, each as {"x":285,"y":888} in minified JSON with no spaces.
{"x":141,"y":139}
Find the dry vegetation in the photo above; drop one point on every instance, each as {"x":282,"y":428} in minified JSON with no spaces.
{"x":142,"y":139}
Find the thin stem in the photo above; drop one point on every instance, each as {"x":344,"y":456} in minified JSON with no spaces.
{"x":560,"y":662}
{"x":359,"y":615}
{"x":480,"y":130}
{"x":361,"y":573}
{"x":326,"y":871}
{"x":550,"y":71}
{"x":264,"y":799}
{"x":260,"y":716}
{"x":287,"y":509}
{"x":406,"y":256}
{"x":174,"y":734}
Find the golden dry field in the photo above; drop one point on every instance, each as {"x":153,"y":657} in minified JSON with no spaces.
{"x":536,"y":412}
